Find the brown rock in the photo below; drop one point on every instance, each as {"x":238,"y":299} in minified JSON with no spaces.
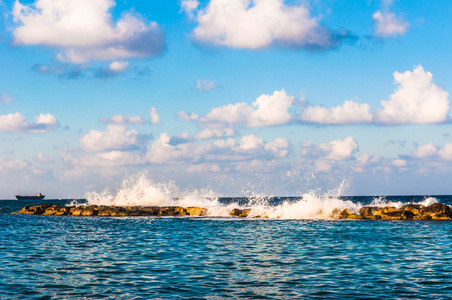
{"x":196,"y":211}
{"x":240,"y":213}
{"x":368,"y":212}
{"x":172,"y":211}
{"x":57,"y":210}
{"x":104,"y":211}
{"x":346,"y":214}
{"x":150,"y":210}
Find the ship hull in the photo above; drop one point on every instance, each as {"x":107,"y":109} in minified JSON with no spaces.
{"x":19,"y":197}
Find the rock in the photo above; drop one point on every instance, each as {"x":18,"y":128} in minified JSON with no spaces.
{"x":414,"y":208}
{"x":398,"y":215}
{"x":172,"y":211}
{"x":150,"y":210}
{"x":240,"y":213}
{"x":104,"y":211}
{"x":368,"y":212}
{"x":90,"y":210}
{"x":118,"y":211}
{"x":437,"y":211}
{"x":196,"y":211}
{"x":346,"y":214}
{"x":57,"y":210}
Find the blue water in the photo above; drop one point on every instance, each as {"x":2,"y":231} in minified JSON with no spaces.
{"x":45,"y":257}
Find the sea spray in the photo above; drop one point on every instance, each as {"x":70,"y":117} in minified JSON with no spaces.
{"x":141,"y":190}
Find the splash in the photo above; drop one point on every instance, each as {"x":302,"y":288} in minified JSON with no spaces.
{"x":141,"y":190}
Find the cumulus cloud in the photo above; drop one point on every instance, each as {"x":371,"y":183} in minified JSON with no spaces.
{"x":84,"y":30}
{"x":11,"y":166}
{"x":258,"y":24}
{"x":399,"y":162}
{"x":209,"y":133}
{"x":221,"y":151}
{"x":335,"y":150}
{"x":446,"y":152}
{"x":267,"y":110}
{"x":388,"y":24}
{"x":425,"y":151}
{"x":416,"y":100}
{"x":115,"y":137}
{"x":348,"y":113}
{"x":155,"y":118}
{"x":17,"y":123}
{"x":205,"y":85}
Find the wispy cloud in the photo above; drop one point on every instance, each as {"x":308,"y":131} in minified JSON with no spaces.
{"x":6,"y":99}
{"x":387,"y":23}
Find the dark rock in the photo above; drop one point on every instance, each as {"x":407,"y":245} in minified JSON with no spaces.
{"x":150,"y":210}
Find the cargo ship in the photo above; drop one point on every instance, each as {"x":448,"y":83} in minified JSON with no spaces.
{"x":38,"y":196}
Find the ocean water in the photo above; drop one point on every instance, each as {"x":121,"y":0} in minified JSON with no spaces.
{"x":298,"y":252}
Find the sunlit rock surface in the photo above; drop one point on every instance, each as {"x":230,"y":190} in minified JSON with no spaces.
{"x":435,"y":211}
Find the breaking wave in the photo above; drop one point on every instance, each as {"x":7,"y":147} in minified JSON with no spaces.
{"x":141,"y":190}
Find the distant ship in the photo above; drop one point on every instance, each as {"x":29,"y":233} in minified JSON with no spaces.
{"x":38,"y":196}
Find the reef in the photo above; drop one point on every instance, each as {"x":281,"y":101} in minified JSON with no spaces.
{"x":49,"y":209}
{"x":435,"y":211}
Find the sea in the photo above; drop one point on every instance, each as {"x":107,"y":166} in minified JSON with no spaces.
{"x":298,"y":252}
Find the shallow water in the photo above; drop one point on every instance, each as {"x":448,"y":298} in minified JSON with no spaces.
{"x":45,"y":257}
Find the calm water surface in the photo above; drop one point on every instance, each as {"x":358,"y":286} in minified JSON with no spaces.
{"x":210,"y":258}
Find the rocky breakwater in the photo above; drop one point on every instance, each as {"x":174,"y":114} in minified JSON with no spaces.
{"x":435,"y":211}
{"x":49,"y":209}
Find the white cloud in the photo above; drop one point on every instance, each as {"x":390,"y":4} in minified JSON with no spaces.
{"x":348,"y":113}
{"x":205,"y":85}
{"x":189,"y":6}
{"x":399,"y":162}
{"x":267,"y":110}
{"x":209,"y":133}
{"x":84,"y":30}
{"x":446,"y":152}
{"x":12,"y":166}
{"x":257,"y":24}
{"x":388,"y":24}
{"x":121,"y":119}
{"x":6,"y":99}
{"x":116,"y":137}
{"x":426,"y":151}
{"x":119,"y":66}
{"x":43,"y":159}
{"x":416,"y":100}
{"x":335,"y":150}
{"x":221,"y":151}
{"x":155,"y":118}
{"x":17,"y":123}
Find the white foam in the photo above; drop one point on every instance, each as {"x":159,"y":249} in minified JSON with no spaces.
{"x":141,"y":190}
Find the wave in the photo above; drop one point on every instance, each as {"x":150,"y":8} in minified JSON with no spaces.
{"x":141,"y":190}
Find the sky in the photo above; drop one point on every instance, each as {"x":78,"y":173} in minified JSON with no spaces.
{"x":241,"y":97}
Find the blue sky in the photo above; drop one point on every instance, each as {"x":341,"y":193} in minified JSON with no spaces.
{"x":270,"y":96}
